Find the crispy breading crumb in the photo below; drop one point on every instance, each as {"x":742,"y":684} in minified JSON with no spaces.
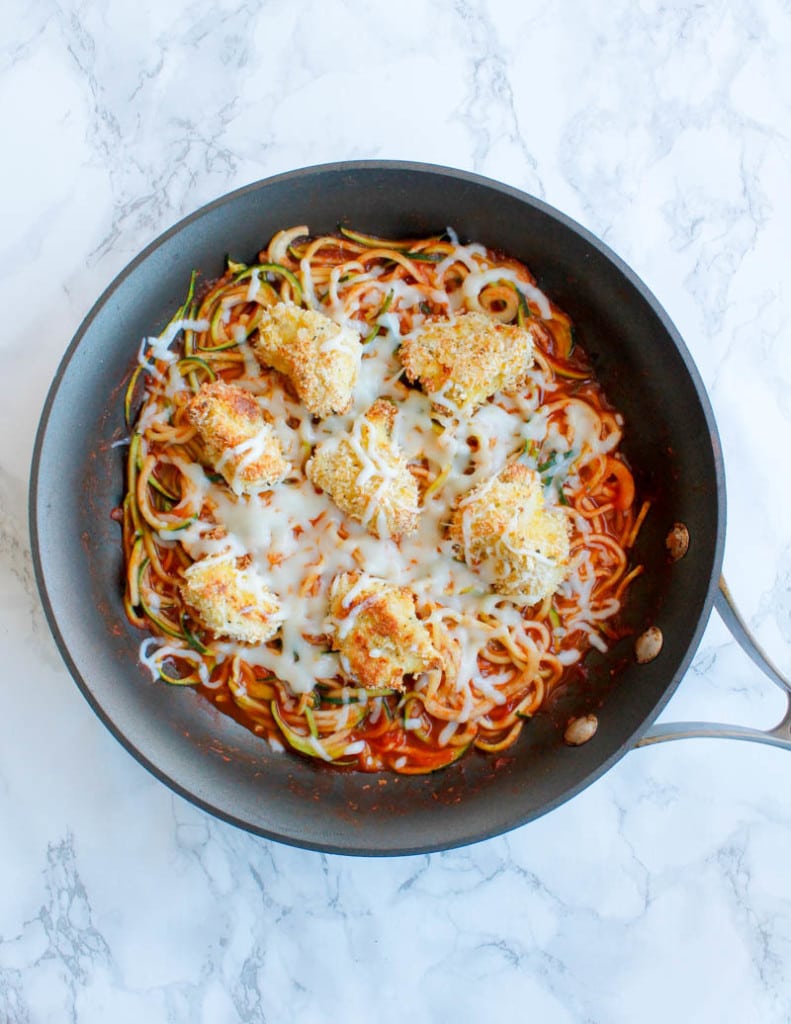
{"x":503,"y":530}
{"x":375,"y":629}
{"x":581,"y":730}
{"x":648,"y":645}
{"x":231,"y":601}
{"x":320,"y":358}
{"x":235,"y":438}
{"x":461,"y":362}
{"x":677,"y":541}
{"x":366,"y":474}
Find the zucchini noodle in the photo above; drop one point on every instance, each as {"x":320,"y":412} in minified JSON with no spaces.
{"x":500,"y":658}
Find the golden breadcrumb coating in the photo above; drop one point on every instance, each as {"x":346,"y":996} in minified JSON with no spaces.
{"x":366,"y":474}
{"x":504,"y":531}
{"x":320,"y":358}
{"x":230,"y":601}
{"x":235,"y":438}
{"x":460,"y":363}
{"x":377,"y":632}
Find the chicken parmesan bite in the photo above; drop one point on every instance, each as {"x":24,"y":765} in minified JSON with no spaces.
{"x":375,"y":629}
{"x":366,"y":474}
{"x":231,"y":599}
{"x":235,"y":438}
{"x":319,"y":357}
{"x":504,"y":531}
{"x":460,"y":363}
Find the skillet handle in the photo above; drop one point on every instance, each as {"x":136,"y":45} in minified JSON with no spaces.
{"x":779,"y":736}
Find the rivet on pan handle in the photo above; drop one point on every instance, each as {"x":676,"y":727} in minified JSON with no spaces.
{"x":780,"y":736}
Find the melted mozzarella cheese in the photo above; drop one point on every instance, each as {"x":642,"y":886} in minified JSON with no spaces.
{"x":474,"y":282}
{"x":298,"y":540}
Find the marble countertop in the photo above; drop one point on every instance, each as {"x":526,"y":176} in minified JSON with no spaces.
{"x":660,"y":893}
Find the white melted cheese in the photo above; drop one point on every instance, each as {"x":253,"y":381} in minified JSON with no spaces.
{"x":293,"y":534}
{"x":476,"y":281}
{"x":247,"y":452}
{"x":255,"y":284}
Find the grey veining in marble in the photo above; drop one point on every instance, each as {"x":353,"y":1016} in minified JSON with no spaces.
{"x":663,"y":891}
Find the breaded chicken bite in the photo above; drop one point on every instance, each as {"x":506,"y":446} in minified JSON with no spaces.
{"x":236,"y":440}
{"x":320,"y":358}
{"x":366,"y":474}
{"x":379,"y":636}
{"x":232,"y":602}
{"x":503,"y":530}
{"x":459,"y":363}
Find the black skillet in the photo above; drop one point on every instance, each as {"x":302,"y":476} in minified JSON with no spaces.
{"x":671,"y":440}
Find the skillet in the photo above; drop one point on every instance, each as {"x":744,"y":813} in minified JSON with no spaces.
{"x":671,"y":442}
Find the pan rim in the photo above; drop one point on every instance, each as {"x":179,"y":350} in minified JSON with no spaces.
{"x":474,"y":835}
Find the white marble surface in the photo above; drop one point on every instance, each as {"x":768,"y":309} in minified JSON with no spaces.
{"x":663,"y":892}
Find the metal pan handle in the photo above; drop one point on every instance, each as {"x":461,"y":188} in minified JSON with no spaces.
{"x":780,"y":736}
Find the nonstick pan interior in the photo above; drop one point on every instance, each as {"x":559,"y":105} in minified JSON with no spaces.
{"x":671,"y":443}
